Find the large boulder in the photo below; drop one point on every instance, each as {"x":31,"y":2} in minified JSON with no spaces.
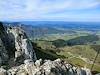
{"x":3,"y":71}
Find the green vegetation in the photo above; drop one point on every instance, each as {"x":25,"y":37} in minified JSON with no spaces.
{"x":78,"y":49}
{"x":81,"y":40}
{"x":46,"y":54}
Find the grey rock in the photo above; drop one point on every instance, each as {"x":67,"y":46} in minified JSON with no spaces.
{"x":22,"y":44}
{"x":57,"y":67}
{"x":3,"y":71}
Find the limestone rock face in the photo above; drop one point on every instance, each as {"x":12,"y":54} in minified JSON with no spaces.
{"x":57,"y":67}
{"x":22,"y":44}
{"x":15,"y":47}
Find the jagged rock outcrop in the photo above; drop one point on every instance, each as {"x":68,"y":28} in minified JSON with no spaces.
{"x":15,"y":46}
{"x":47,"y":67}
{"x":22,"y":44}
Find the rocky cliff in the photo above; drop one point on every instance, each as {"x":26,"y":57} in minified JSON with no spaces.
{"x":15,"y":47}
{"x":22,"y":44}
{"x":19,"y":57}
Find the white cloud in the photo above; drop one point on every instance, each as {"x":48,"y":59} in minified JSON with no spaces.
{"x":34,"y":9}
{"x":49,"y":6}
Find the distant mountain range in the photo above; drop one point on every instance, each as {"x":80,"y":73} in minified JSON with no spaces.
{"x":38,"y":28}
{"x":60,"y":24}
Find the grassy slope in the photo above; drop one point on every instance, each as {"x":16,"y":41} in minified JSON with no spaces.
{"x":45,"y":54}
{"x":71,"y":54}
{"x":84,"y":51}
{"x":75,"y":55}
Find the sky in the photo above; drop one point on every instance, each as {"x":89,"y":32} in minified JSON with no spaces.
{"x":50,"y":10}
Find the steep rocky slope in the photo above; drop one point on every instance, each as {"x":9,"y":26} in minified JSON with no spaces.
{"x":15,"y":46}
{"x":22,"y":44}
{"x":16,"y":51}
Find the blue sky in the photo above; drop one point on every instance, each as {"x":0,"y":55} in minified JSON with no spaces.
{"x":50,"y":10}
